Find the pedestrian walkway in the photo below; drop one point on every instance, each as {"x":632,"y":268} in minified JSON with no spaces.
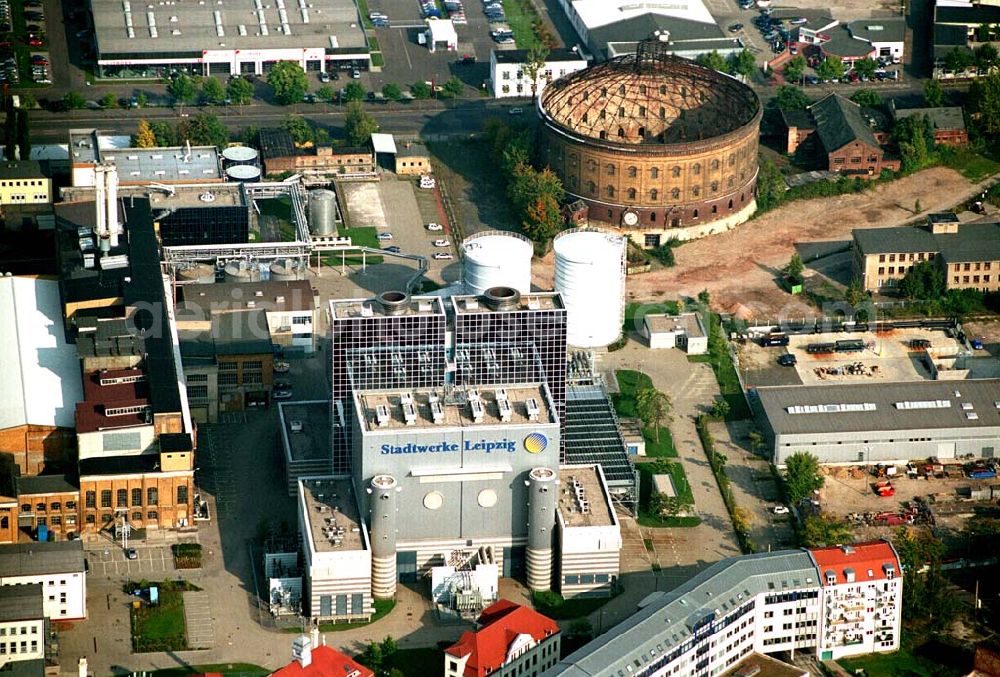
{"x":198,"y":620}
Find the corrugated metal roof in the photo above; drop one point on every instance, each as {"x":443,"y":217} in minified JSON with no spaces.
{"x":39,"y":373}
{"x":665,"y":622}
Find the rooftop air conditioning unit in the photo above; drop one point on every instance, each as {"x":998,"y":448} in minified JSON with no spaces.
{"x":478,"y":410}
{"x":409,"y":414}
{"x":533,"y":409}
{"x":506,"y":411}
{"x":382,"y":415}
{"x":437,"y":412}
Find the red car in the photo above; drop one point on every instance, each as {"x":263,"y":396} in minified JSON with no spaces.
{"x":40,"y":60}
{"x":35,"y":42}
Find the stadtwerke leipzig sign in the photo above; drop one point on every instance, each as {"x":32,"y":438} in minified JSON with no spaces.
{"x":535,"y":443}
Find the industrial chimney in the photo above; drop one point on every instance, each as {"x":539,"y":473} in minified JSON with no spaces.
{"x":100,"y":204}
{"x":111,"y":183}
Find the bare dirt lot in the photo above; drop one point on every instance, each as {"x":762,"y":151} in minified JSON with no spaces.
{"x":742,"y":265}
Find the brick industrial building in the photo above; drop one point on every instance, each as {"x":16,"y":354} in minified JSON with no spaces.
{"x":654,"y":144}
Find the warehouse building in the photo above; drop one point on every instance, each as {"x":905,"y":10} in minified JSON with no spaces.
{"x":852,"y":423}
{"x":156,"y":41}
{"x":828,"y":602}
{"x":90,"y":148}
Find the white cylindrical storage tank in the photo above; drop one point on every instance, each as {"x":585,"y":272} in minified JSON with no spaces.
{"x":495,"y":258}
{"x":201,"y":273}
{"x":238,"y":272}
{"x":286,"y":270}
{"x":239,"y":155}
{"x":243,"y":173}
{"x":322,"y":212}
{"x":590,"y":275}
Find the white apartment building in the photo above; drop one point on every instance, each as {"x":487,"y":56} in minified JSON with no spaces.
{"x":509,"y":75}
{"x":58,"y":567}
{"x":22,"y":624}
{"x":806,"y":600}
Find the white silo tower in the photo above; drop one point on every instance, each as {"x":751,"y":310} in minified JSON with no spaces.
{"x":496,"y":258}
{"x":590,"y":275}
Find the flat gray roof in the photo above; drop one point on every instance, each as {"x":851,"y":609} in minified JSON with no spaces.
{"x":145,"y":165}
{"x":37,"y":559}
{"x":878,"y":30}
{"x":313,"y":442}
{"x":579,"y":483}
{"x":668,"y":618}
{"x":972,"y":242}
{"x":455,"y":407}
{"x":21,"y":602}
{"x":687,"y":322}
{"x":342,"y":309}
{"x":468,"y":304}
{"x":945,"y":117}
{"x":857,"y":407}
{"x":332,"y":513}
{"x":193,"y":26}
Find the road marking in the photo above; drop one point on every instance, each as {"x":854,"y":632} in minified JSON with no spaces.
{"x":406,"y":52}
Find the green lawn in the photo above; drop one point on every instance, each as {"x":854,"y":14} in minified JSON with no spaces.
{"x":161,"y":627}
{"x":519,"y":18}
{"x":630,"y":382}
{"x":553,"y":605}
{"x":227,"y":669}
{"x":901,"y":662}
{"x":681,"y":484}
{"x":364,"y":236}
{"x":969,"y":163}
{"x":662,"y":449}
{"x":725,"y":372}
{"x":382,"y":608}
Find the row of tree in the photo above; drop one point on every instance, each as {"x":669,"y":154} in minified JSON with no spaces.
{"x":742,"y":63}
{"x":535,"y":194}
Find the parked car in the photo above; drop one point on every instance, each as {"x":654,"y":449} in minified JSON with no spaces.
{"x":787,"y":360}
{"x":355,"y":74}
{"x":736,"y":28}
{"x":443,"y":256}
{"x":282,"y":394}
{"x":434,"y":226}
{"x":295,"y":426}
{"x":281,"y":367}
{"x":324,"y":76}
{"x":131,"y":553}
{"x":282,"y":385}
{"x":517,"y":110}
{"x":780,"y":510}
{"x":442,"y":243}
{"x":385,"y":237}
{"x":393,"y":249}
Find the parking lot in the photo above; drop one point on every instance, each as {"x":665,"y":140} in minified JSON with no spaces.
{"x":886,"y":356}
{"x":110,"y":561}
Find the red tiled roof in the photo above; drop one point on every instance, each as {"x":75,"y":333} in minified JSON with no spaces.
{"x":326,"y":662}
{"x":90,"y":414}
{"x":862,"y":558}
{"x":500,"y":624}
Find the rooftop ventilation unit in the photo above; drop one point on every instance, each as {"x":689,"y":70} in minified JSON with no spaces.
{"x":437,"y":412}
{"x":502,"y":394}
{"x":406,"y":398}
{"x":533,"y":409}
{"x":478,"y":410}
{"x":382,"y":415}
{"x":424,"y":306}
{"x":112,"y":262}
{"x":409,"y":413}
{"x":366,"y":311}
{"x":471,"y":304}
{"x":506,"y":411}
{"x":473,"y":394}
{"x":968,"y":406}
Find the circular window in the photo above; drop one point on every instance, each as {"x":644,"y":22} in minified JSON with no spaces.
{"x":487,"y":498}
{"x":433,"y":500}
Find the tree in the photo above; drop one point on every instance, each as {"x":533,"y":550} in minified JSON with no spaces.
{"x":354,"y":92}
{"x":704,"y":298}
{"x":358,"y":124}
{"x":326,"y":94}
{"x":300,"y":129}
{"x":534,"y":63}
{"x":183,"y":89}
{"x":986,"y":58}
{"x":74,"y":100}
{"x":542,"y":218}
{"x":109,"y":100}
{"x":771,"y":186}
{"x":794,"y":70}
{"x":924,"y":281}
{"x":958,"y":59}
{"x":203,"y":129}
{"x":756,"y":439}
{"x":23,"y":135}
{"x":802,"y":476}
{"x":377,"y":656}
{"x":212,"y":91}
{"x":855,"y":293}
{"x":144,"y":136}
{"x":240,"y":91}
{"x":790,"y":97}
{"x":743,"y":64}
{"x":742,"y":520}
{"x":392,"y":92}
{"x":653,"y":408}
{"x":831,"y":68}
{"x":926,"y":592}
{"x":452,"y":88}
{"x":865,"y":68}
{"x":794,"y":268}
{"x":27,"y":100}
{"x":824,"y":530}
{"x":915,"y":137}
{"x":714,"y":60}
{"x":720,"y":408}
{"x":141,"y":100}
{"x":288,"y":81}
{"x":933,"y":93}
{"x":581,"y":628}
{"x":163,"y":132}
{"x":867,"y":97}
{"x":420,"y":90}
{"x":984,"y":104}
